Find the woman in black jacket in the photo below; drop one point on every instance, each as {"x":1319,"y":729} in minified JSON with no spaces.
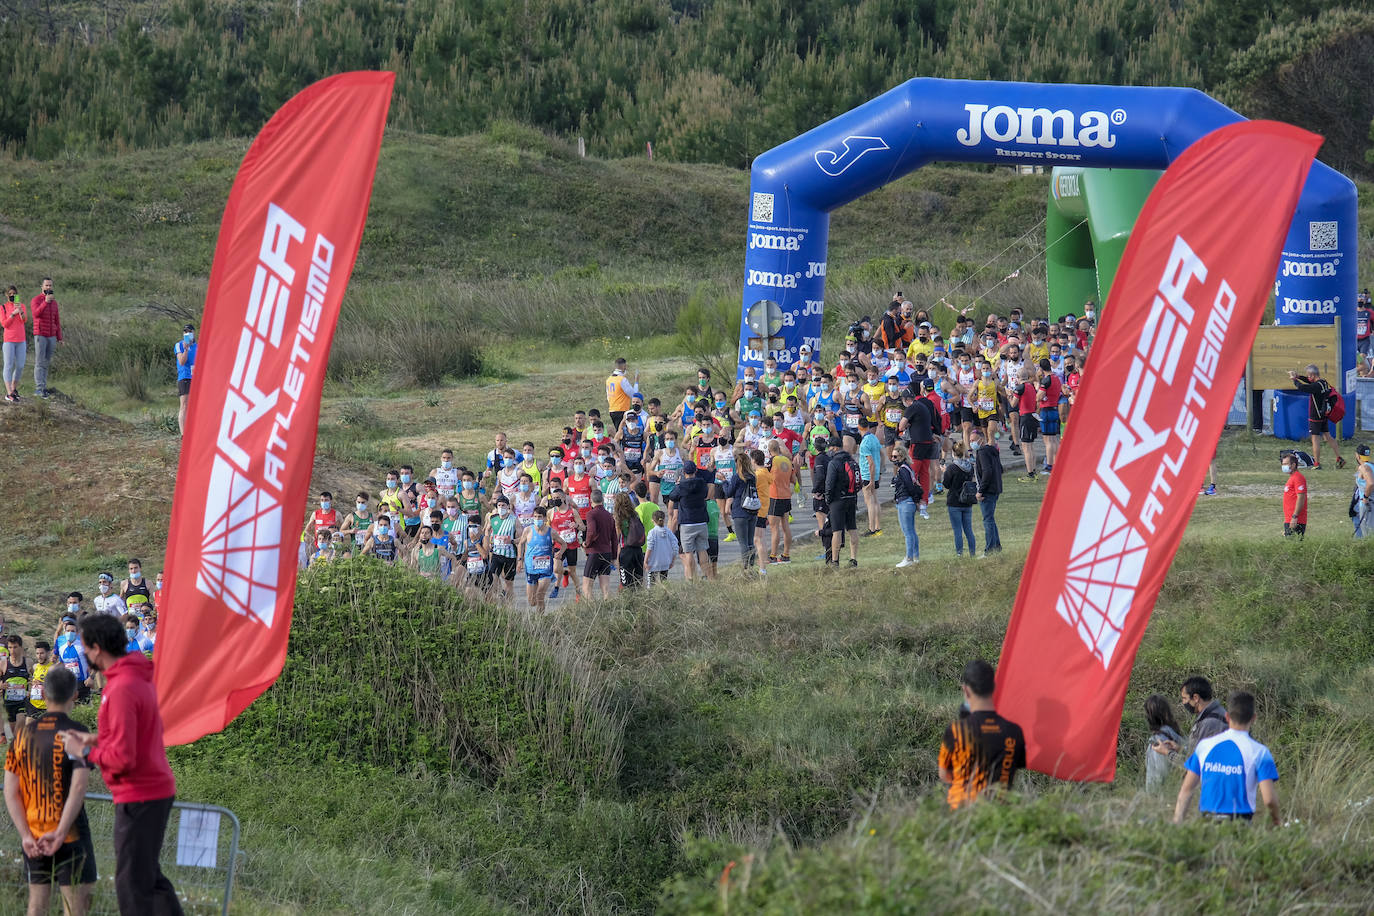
{"x":957,"y":473}
{"x":906,"y":493}
{"x":742,"y":487}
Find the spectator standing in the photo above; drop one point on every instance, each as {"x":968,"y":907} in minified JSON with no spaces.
{"x":1364,"y":324}
{"x":1230,"y":767}
{"x":47,"y":334}
{"x":1318,"y":393}
{"x":1211,"y":717}
{"x":600,"y":542}
{"x":871,"y":470}
{"x":906,"y":494}
{"x":980,"y":750}
{"x":45,"y":792}
{"x":662,"y":548}
{"x":920,"y":425}
{"x":987,"y":475}
{"x":1294,"y":498}
{"x":690,"y":497}
{"x":16,"y":342}
{"x":961,"y":494}
{"x":1164,"y":734}
{"x":782,"y":477}
{"x":1363,"y":498}
{"x":129,"y":750}
{"x":842,"y":483}
{"x":632,"y":541}
{"x":742,"y":490}
{"x":185,"y":353}
{"x":619,"y":393}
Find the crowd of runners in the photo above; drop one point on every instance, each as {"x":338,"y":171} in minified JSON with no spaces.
{"x":653,"y":481}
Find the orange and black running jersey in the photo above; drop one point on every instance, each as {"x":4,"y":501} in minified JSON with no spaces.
{"x":981,"y":750}
{"x":44,"y":771}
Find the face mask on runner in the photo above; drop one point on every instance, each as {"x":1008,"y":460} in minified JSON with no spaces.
{"x":503,"y":511}
{"x":753,"y":421}
{"x":469,"y":484}
{"x":987,"y":373}
{"x":556,"y":503}
{"x":720,"y":402}
{"x":104,"y":587}
{"x":524,"y":488}
{"x":72,"y":608}
{"x":445,"y":464}
{"x":669,"y":443}
{"x":188,"y":337}
{"x":405,"y":478}
{"x":818,"y":416}
{"x":507,"y":462}
{"x":325,"y":504}
{"x":529,"y":456}
{"x":1286,"y":468}
{"x":579,"y":467}
{"x":383,"y":530}
{"x":452,"y":511}
{"x":539,"y":521}
{"x":391,"y":484}
{"x":135,"y":576}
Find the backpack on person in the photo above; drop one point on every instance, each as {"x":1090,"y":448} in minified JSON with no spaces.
{"x":750,"y":500}
{"x":851,"y":479}
{"x":1335,"y":406}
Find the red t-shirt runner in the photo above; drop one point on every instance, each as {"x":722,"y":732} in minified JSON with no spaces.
{"x":325,"y":519}
{"x":580,"y":494}
{"x":564,"y":525}
{"x":1295,"y":487}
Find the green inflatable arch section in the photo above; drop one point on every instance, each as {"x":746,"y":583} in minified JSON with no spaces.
{"x":1088,"y":221}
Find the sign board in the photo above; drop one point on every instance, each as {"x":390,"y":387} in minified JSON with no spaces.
{"x":1289,"y":348}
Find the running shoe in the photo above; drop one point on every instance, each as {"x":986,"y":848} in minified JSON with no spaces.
{"x":905,"y":563}
{"x":729,"y":537}
{"x":1211,"y":489}
{"x":11,"y":398}
{"x":1340,"y":462}
{"x":1317,"y":466}
{"x":853,"y":563}
{"x":784,"y":559}
{"x":553,"y":593}
{"x":1029,"y":478}
{"x":924,"y":514}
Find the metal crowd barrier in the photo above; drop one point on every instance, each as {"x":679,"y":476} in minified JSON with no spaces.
{"x":199,"y":855}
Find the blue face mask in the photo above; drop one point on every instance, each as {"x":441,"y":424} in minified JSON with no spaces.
{"x":469,"y":484}
{"x":446,"y":464}
{"x":188,"y":337}
{"x":391,"y":484}
{"x":405,"y":478}
{"x":524,"y":488}
{"x":508,"y":462}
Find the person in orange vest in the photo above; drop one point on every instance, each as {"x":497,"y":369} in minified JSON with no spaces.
{"x":619,"y":391}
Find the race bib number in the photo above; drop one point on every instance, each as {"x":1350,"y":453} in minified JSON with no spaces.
{"x":569,"y":535}
{"x":632,"y":454}
{"x":526,"y":521}
{"x":15,"y":692}
{"x":476,"y":566}
{"x":851,"y":421}
{"x":501,"y":541}
{"x":986,"y":405}
{"x":894,"y":414}
{"x":542,"y":564}
{"x":36,"y":691}
{"x":582,"y":500}
{"x":671,"y":475}
{"x":73,"y":667}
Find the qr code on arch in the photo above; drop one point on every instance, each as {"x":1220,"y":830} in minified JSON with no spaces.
{"x":1321,"y":236}
{"x":763,"y":208}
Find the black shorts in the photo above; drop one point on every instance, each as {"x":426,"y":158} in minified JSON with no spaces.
{"x":713,"y":549}
{"x":1317,"y":427}
{"x":598,"y":564}
{"x":183,"y":386}
{"x":889,"y":435}
{"x":818,"y":504}
{"x":654,"y":478}
{"x":412,"y":530}
{"x":73,"y":863}
{"x":780,"y":508}
{"x":502,"y":567}
{"x":966,"y":415}
{"x":570,"y":558}
{"x":16,"y":707}
{"x":480,"y":581}
{"x":762,"y":523}
{"x":842,"y":515}
{"x":1030,"y":427}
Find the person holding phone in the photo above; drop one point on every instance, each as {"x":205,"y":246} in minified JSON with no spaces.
{"x":15,"y":323}
{"x":47,"y":334}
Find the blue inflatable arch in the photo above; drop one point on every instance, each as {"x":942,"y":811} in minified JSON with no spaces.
{"x":795,"y":186}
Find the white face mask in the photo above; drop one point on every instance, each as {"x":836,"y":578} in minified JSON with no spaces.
{"x":1287,"y":468}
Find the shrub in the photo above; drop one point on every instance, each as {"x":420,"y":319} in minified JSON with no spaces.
{"x":402,"y":672}
{"x":707,"y":332}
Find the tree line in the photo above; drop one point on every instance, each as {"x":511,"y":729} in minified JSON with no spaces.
{"x":702,"y":80}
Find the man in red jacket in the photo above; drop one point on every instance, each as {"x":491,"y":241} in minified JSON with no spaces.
{"x":127,"y":747}
{"x":47,"y":333}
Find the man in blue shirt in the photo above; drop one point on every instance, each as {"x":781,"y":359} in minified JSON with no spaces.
{"x":185,"y":351}
{"x":1230,"y":767}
